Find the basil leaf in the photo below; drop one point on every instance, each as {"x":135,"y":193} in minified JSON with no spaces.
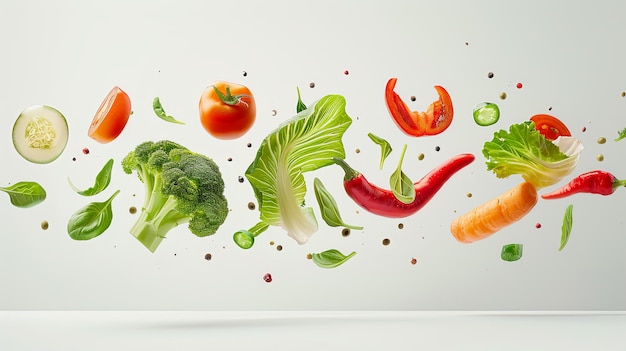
{"x":566,"y":228}
{"x":401,"y":185}
{"x":160,"y":112}
{"x":103,"y":179}
{"x":511,"y":252}
{"x":328,"y":206}
{"x":385,"y":147}
{"x":330,"y":258}
{"x":300,"y":106}
{"x":25,"y":194}
{"x":91,"y":220}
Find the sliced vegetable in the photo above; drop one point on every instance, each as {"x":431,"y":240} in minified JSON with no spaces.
{"x":385,"y":147}
{"x":103,"y":179}
{"x":25,"y":194}
{"x":486,"y":113}
{"x":511,"y":252}
{"x":491,"y":216}
{"x":245,"y":238}
{"x":435,"y":120}
{"x":401,"y":185}
{"x":300,"y":106}
{"x":523,"y":150}
{"x":227,"y":110}
{"x":160,"y":112}
{"x":594,"y":182}
{"x":550,"y":126}
{"x":91,"y":220}
{"x":305,"y":143}
{"x":566,"y":228}
{"x":328,"y":206}
{"x":331,"y":258}
{"x":384,"y":203}
{"x":621,"y":134}
{"x":111,"y":117}
{"x":40,"y":134}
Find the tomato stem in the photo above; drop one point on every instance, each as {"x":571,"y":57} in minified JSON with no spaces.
{"x":228,"y":98}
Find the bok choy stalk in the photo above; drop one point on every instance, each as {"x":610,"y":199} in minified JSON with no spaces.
{"x":305,"y":143}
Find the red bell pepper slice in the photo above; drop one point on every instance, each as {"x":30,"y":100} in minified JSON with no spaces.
{"x":435,"y":120}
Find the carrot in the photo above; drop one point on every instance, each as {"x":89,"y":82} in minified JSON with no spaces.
{"x":493,"y":215}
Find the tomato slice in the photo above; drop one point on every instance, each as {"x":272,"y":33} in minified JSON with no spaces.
{"x":435,"y":120}
{"x":550,"y":126}
{"x":111,"y":117}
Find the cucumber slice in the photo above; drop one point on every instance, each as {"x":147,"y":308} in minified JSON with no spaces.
{"x":40,"y":134}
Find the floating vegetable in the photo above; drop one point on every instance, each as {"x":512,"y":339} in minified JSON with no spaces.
{"x":227,"y":110}
{"x":331,"y":258}
{"x":621,"y":134}
{"x":103,"y":179}
{"x":523,"y":150}
{"x":550,"y":126}
{"x":511,"y":252}
{"x":594,"y":182}
{"x":385,"y":147}
{"x":491,"y":216}
{"x":305,"y":143}
{"x":160,"y":112}
{"x":111,"y":117}
{"x":91,"y":220}
{"x":383,"y":202}
{"x":566,"y":228}
{"x":435,"y":120}
{"x":486,"y":113}
{"x":328,"y":206}
{"x":300,"y":106}
{"x":401,"y":185}
{"x":25,"y":194}
{"x":40,"y":134}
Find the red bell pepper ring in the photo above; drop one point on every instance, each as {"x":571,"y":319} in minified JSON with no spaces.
{"x":435,"y":120}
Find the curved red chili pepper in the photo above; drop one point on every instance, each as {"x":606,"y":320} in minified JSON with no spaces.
{"x":384,"y":203}
{"x":594,"y":182}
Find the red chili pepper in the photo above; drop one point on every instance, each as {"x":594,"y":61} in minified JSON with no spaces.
{"x":384,"y":203}
{"x":435,"y":120}
{"x":594,"y":182}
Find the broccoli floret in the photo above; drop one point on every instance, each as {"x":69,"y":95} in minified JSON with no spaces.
{"x":180,"y":187}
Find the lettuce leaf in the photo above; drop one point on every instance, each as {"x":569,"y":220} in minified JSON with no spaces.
{"x":305,"y":143}
{"x":523,"y":150}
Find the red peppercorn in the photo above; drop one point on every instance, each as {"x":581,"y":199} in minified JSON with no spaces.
{"x":267,"y":277}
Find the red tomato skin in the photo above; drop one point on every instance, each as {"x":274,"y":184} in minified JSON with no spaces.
{"x":111,"y":117}
{"x":225,"y":121}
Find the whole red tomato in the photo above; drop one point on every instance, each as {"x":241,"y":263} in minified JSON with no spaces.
{"x":227,"y":110}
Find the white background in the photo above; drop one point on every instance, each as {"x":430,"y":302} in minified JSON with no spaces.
{"x":569,"y":56}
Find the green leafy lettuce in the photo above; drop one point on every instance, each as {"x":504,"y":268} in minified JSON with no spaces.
{"x":305,"y":143}
{"x":523,"y":150}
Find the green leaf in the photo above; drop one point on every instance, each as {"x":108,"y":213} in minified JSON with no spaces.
{"x":511,"y":252}
{"x":25,"y":194}
{"x":566,"y":228}
{"x":91,"y":220}
{"x":621,"y":134}
{"x":103,"y":179}
{"x":401,"y":185}
{"x":331,"y":258}
{"x":160,"y":112}
{"x":300,"y":106}
{"x":523,"y":150}
{"x":385,"y":147}
{"x":305,"y":143}
{"x":328,"y":206}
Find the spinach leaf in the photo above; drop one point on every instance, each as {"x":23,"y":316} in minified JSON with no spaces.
{"x":401,"y":185}
{"x":160,"y":112}
{"x":328,"y":206}
{"x":511,"y":252}
{"x":91,"y":220}
{"x":25,"y":194}
{"x":331,"y":258}
{"x":300,"y":106}
{"x":385,"y":147}
{"x":566,"y":228}
{"x":103,"y":179}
